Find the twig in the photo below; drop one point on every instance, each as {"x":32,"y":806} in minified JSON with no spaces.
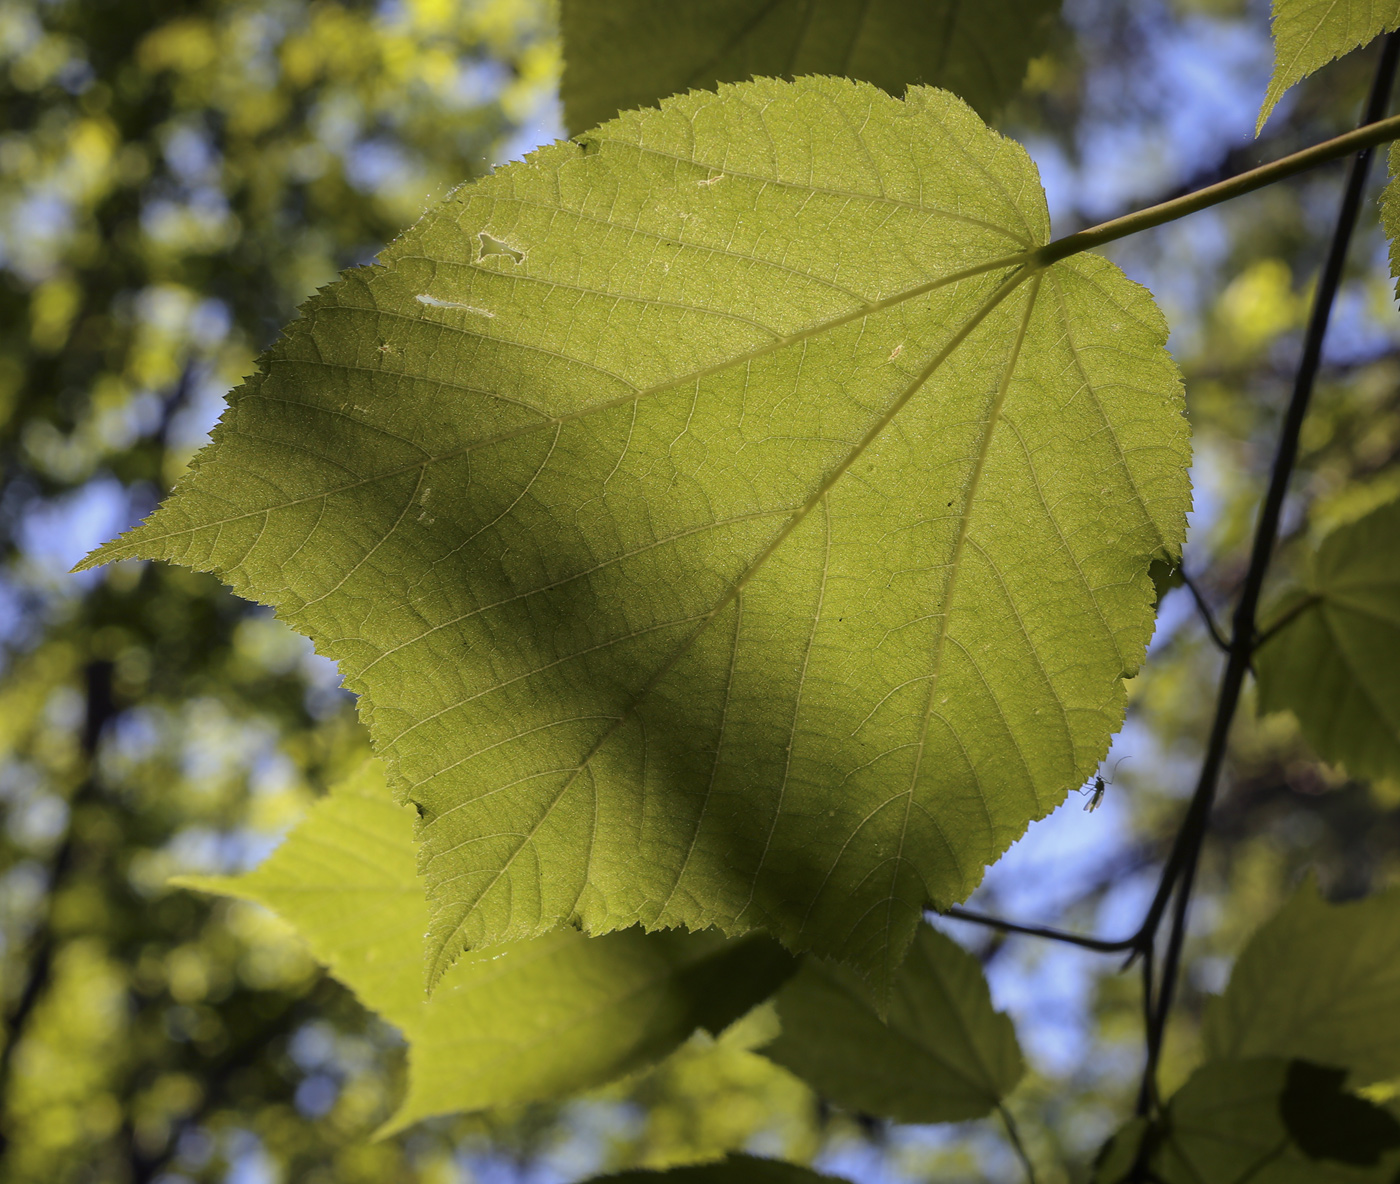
{"x":1287,"y":619}
{"x":1102,"y":945}
{"x":1206,"y":615}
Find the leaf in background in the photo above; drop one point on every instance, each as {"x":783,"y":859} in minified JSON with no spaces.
{"x":540,"y":1019}
{"x":721,"y":522}
{"x":620,"y":54}
{"x":1327,"y":1122}
{"x":734,"y":1169}
{"x":945,"y":1054}
{"x":1226,"y":1126}
{"x":1310,"y":33}
{"x":1335,"y":664}
{"x":1320,"y":982}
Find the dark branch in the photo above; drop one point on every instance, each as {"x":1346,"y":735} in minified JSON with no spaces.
{"x":1179,"y":876}
{"x":1102,"y":945}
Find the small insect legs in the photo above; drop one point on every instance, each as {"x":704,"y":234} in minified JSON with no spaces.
{"x":1096,"y":791}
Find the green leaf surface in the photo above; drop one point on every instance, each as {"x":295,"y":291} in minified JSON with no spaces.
{"x":1320,"y":982}
{"x":538,"y":1019}
{"x":734,"y":1169}
{"x":1310,"y":33}
{"x":1336,"y":663}
{"x":944,"y":1055}
{"x":1225,"y":1126}
{"x":632,"y":53}
{"x":724,"y":522}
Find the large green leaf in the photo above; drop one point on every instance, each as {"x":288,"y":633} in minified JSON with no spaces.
{"x":1244,"y":1122}
{"x":944,"y":1055}
{"x":630,"y":53}
{"x":1319,"y":981}
{"x":539,"y":1019}
{"x":724,"y":521}
{"x":1310,"y":33}
{"x":1336,"y":662}
{"x":734,"y":1169}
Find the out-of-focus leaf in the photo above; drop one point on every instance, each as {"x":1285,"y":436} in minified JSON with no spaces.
{"x":1335,"y":664}
{"x":538,"y":1019}
{"x":1320,"y":982}
{"x":1226,"y":1126}
{"x":1326,"y":1122}
{"x":734,"y":1169}
{"x":944,"y":1055}
{"x":726,"y":522}
{"x":1310,"y":33}
{"x":630,"y":53}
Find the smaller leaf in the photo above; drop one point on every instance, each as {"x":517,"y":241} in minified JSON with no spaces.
{"x":517,"y":1023}
{"x":734,"y":1169}
{"x":1310,"y":33}
{"x":1319,"y":981}
{"x":944,"y":1055}
{"x":1225,"y":1126}
{"x":1335,"y":663}
{"x":1326,"y":1122}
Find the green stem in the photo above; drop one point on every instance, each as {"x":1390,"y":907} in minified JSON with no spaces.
{"x":1015,"y":1136}
{"x":1366,"y":136}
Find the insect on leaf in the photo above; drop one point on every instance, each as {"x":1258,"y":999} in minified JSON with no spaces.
{"x":1335,"y":664}
{"x":761,"y":542}
{"x":631,"y":53}
{"x":534,"y":1020}
{"x":943,"y":1055}
{"x":1310,"y":33}
{"x":1318,"y":981}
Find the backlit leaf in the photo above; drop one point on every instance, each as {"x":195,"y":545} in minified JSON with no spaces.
{"x":1336,"y":663}
{"x":630,"y":53}
{"x":944,"y":1055}
{"x":1310,"y":33}
{"x":1319,"y":981}
{"x":724,"y":522}
{"x":538,"y":1019}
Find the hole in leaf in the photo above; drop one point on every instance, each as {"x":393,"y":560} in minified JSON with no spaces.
{"x":490,"y":245}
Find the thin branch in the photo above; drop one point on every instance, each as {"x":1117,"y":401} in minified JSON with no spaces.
{"x":1186,"y":853}
{"x":1206,"y":615}
{"x":1370,"y":133}
{"x":1287,"y":619}
{"x":1101,"y":945}
{"x":1014,"y":1135}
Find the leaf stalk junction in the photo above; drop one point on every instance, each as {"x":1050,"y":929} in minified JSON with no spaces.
{"x":1177,"y":878}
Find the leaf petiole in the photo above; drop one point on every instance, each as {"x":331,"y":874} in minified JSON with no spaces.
{"x":1368,"y":135}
